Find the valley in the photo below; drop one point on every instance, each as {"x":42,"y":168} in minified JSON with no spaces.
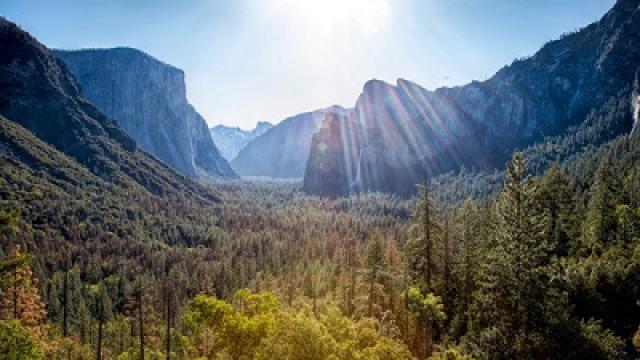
{"x":494,"y":220}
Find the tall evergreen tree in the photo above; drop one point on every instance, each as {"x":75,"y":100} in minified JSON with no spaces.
{"x":467,"y":263}
{"x":601,"y":223}
{"x":556,"y":201}
{"x":425,"y":235}
{"x":375,"y":274}
{"x":517,"y":299}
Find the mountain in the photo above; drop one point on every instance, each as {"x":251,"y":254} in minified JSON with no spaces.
{"x":283,"y":150}
{"x":148,"y":100}
{"x":396,"y":136}
{"x":39,"y":99}
{"x":230,"y":140}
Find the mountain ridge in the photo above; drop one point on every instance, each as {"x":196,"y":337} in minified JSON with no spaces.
{"x":404,"y":134}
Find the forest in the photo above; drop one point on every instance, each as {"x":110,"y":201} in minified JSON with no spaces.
{"x":539,"y":266}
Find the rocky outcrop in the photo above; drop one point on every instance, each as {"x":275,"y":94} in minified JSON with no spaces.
{"x":406,"y":133}
{"x":283,"y":150}
{"x":330,"y":172}
{"x":148,"y":100}
{"x":230,"y":140}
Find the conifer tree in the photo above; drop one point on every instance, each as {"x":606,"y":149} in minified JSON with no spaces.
{"x":374,"y":274}
{"x":601,"y":223}
{"x":517,"y":299}
{"x":467,"y":263}
{"x":556,"y":201}
{"x":424,"y":236}
{"x":20,"y":298}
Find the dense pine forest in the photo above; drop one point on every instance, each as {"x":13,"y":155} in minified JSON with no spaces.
{"x":537,"y":268}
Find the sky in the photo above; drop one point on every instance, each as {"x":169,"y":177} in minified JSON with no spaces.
{"x":265,"y":60}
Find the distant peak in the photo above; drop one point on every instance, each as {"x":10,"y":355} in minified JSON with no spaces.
{"x":262,"y":124}
{"x":335,"y":108}
{"x":375,"y":84}
{"x":404,"y":83}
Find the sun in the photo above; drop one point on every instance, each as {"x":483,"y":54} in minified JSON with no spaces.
{"x":324,"y":19}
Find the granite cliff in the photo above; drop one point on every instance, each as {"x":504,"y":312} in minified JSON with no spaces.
{"x":148,"y":100}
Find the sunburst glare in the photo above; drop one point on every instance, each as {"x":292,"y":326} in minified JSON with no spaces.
{"x":324,"y":19}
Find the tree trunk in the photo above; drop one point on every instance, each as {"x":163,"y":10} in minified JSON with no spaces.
{"x":168,"y":325}
{"x":140,"y":321}
{"x":428,"y":342}
{"x":406,"y":305}
{"x":15,"y":293}
{"x":64,"y":304}
{"x":427,"y":234}
{"x":371,"y":284}
{"x":100,"y":323}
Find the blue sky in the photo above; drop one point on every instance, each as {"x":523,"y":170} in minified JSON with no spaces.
{"x":252,"y":60}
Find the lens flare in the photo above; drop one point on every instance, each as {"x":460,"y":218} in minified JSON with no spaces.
{"x":327,"y":18}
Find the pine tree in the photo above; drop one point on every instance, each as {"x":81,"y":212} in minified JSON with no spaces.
{"x":425,"y":234}
{"x":467,"y":263}
{"x":601,"y":223}
{"x":517,"y":299}
{"x":556,"y":201}
{"x":375,"y":274}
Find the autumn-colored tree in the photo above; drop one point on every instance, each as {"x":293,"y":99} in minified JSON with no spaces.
{"x":20,"y":298}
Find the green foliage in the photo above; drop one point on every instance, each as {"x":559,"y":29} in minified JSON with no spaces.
{"x":16,"y":343}
{"x":255,"y":326}
{"x":425,"y":235}
{"x":427,"y":307}
{"x":600,"y":342}
{"x":557,"y":206}
{"x":450,"y":354}
{"x":520,"y":294}
{"x":601,"y":224}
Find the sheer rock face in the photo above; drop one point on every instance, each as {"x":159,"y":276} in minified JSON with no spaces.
{"x":283,"y":150}
{"x":230,"y":140}
{"x":148,"y":100}
{"x":326,"y":171}
{"x":38,"y":93}
{"x":404,"y":133}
